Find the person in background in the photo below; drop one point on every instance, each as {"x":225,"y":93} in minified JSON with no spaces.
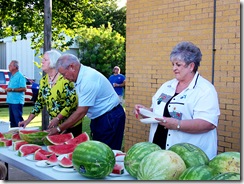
{"x":97,"y":99}
{"x":188,"y":105}
{"x":57,"y":94}
{"x":118,"y":82}
{"x":15,"y":94}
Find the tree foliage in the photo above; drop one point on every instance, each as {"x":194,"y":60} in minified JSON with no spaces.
{"x":25,"y":16}
{"x":101,"y":48}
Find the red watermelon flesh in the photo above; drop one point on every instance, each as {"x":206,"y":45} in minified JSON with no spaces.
{"x":79,"y":139}
{"x":1,"y":135}
{"x":44,"y":152}
{"x":62,"y":149}
{"x":39,"y":156}
{"x":118,"y":169}
{"x":17,"y":144}
{"x":59,"y":138}
{"x":52,"y":160}
{"x":65,"y":162}
{"x":15,"y":137}
{"x":5,"y":142}
{"x":27,"y":149}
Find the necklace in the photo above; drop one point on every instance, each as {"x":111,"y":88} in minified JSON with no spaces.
{"x":51,"y":81}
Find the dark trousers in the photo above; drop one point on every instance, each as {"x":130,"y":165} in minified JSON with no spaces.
{"x":77,"y":130}
{"x":109,"y":128}
{"x":15,"y":114}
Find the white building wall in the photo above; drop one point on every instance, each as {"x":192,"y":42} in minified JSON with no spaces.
{"x":22,"y":52}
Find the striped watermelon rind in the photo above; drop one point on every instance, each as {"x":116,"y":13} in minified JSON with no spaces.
{"x":226,"y":162}
{"x":5,"y":142}
{"x":93,"y":159}
{"x":227,"y":176}
{"x":201,"y":172}
{"x":136,"y":153}
{"x":33,"y":136}
{"x":161,"y":165}
{"x":191,"y":154}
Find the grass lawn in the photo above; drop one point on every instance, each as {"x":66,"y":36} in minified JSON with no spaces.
{"x":37,"y":122}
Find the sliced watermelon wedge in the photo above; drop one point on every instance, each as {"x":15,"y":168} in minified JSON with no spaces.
{"x":15,"y":137}
{"x":17,"y":144}
{"x":79,"y":139}
{"x":57,"y":139}
{"x":41,"y":154}
{"x":65,"y":162}
{"x":52,"y":160}
{"x":118,"y":169}
{"x":27,"y":149}
{"x":61,"y":149}
{"x":5,"y":142}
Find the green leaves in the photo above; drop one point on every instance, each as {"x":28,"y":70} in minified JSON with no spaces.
{"x":101,"y":48}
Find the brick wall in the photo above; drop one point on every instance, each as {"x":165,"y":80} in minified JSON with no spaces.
{"x":153,"y":28}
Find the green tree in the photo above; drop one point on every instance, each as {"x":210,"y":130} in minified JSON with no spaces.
{"x":25,"y":16}
{"x":101,"y":48}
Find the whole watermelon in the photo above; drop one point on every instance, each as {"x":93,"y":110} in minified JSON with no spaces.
{"x":191,"y":154}
{"x":161,"y":165}
{"x":202,"y":172}
{"x":227,"y":176}
{"x":136,"y":153}
{"x":93,"y":159}
{"x":226,"y":162}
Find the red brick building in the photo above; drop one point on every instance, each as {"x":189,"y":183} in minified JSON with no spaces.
{"x":154,"y":27}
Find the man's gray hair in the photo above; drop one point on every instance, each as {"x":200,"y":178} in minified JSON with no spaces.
{"x":16,"y":63}
{"x":65,"y":60}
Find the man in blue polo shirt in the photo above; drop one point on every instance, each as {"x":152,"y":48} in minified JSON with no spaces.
{"x":16,"y":94}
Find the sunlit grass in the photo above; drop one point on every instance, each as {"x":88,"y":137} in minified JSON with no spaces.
{"x":37,"y":121}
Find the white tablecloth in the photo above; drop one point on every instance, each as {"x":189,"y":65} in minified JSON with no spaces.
{"x":46,"y":173}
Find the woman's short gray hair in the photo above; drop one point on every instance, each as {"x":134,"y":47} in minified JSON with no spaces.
{"x":53,"y":57}
{"x":187,"y":52}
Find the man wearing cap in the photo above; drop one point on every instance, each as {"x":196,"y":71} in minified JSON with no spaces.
{"x":118,"y":82}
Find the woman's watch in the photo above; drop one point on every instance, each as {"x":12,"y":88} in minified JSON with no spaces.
{"x":178,"y":126}
{"x":58,"y":129}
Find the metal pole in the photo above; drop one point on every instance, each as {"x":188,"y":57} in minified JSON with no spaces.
{"x":214,"y":49}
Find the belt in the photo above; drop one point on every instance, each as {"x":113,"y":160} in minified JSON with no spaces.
{"x":117,"y":106}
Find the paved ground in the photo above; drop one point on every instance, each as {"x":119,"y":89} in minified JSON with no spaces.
{"x":19,"y":175}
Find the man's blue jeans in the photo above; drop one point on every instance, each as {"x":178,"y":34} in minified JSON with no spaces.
{"x":15,"y":114}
